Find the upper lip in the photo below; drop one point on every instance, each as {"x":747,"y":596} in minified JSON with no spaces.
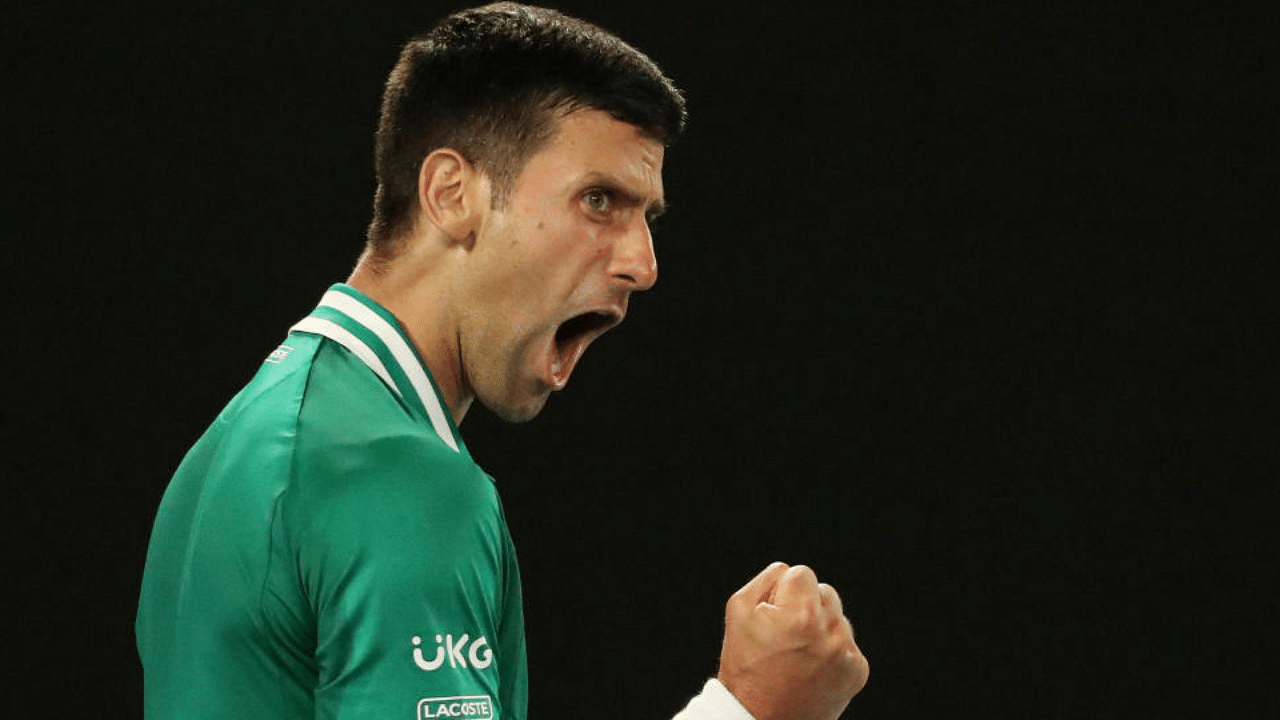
{"x":589,"y":324}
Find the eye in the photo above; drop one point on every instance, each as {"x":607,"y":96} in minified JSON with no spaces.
{"x":598,"y":201}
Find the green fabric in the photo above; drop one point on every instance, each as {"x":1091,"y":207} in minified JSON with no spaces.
{"x":313,"y":546}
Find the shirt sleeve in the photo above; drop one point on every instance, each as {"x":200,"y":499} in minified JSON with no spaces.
{"x":401,"y":553}
{"x":715,"y":702}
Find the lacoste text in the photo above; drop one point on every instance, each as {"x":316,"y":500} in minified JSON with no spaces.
{"x":464,"y":707}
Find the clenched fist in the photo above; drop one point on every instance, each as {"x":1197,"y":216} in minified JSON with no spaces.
{"x":789,"y":652}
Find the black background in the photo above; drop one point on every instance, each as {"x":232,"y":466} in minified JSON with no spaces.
{"x":974,"y":311}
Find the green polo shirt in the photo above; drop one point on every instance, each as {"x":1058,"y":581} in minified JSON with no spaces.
{"x":329,"y":549}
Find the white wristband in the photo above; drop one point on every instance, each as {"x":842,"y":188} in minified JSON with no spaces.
{"x":715,"y":702}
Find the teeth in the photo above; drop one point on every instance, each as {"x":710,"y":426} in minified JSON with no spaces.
{"x":558,"y":381}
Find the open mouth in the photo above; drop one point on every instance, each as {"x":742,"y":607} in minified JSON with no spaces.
{"x":582,"y":326}
{"x":573,"y":336}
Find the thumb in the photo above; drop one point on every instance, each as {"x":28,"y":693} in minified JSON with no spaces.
{"x":761,"y":588}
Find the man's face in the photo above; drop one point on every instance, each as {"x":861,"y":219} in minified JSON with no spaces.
{"x":553,"y":270}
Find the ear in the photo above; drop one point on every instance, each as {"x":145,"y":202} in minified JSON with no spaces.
{"x":450,"y":194}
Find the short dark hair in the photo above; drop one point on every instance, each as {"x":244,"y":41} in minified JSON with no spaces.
{"x":491,"y":83}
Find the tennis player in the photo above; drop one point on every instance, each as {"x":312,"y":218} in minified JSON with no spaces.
{"x":329,"y":548}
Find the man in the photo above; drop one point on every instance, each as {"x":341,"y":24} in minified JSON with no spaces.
{"x":329,"y":548}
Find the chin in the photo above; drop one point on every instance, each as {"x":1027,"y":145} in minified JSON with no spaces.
{"x":517,"y":411}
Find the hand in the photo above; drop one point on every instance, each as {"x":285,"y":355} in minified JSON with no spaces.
{"x":789,"y":652}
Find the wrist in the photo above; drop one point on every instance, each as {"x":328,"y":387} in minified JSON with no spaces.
{"x":715,"y":702}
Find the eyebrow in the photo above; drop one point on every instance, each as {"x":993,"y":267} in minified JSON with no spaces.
{"x":656,"y":210}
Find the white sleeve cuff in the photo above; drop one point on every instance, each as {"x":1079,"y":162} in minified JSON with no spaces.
{"x":715,"y":702}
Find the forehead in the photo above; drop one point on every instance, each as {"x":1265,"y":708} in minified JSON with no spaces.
{"x":591,"y":146}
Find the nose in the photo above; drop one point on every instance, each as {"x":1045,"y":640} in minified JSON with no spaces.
{"x":633,"y":258}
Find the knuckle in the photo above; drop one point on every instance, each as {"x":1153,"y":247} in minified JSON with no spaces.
{"x":804,"y":571}
{"x":830,"y":598}
{"x":862,"y":670}
{"x":853,"y":664}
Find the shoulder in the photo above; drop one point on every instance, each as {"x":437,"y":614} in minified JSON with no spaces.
{"x":365,"y":467}
{"x":353,"y":430}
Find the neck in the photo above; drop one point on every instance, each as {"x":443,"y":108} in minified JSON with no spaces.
{"x":414,"y":290}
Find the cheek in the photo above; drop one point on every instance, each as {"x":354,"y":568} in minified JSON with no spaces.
{"x":601,"y":253}
{"x":534,"y":267}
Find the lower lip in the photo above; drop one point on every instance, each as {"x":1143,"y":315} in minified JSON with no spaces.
{"x":550,"y":365}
